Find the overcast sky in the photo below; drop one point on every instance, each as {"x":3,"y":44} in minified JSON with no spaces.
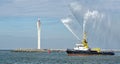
{"x":18,"y":23}
{"x":44,"y":8}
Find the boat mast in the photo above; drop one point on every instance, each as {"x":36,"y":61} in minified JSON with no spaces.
{"x":84,"y":41}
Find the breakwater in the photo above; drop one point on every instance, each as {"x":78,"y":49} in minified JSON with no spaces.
{"x":38,"y":50}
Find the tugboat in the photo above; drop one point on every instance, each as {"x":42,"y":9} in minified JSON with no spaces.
{"x":83,"y":49}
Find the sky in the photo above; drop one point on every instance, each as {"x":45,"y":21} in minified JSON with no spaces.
{"x":18,"y":20}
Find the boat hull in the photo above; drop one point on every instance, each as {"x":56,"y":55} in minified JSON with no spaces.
{"x":72,"y":52}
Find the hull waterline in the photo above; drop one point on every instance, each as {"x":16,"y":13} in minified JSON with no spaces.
{"x":87,"y":53}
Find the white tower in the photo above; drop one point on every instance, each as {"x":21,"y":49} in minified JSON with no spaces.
{"x":39,"y":29}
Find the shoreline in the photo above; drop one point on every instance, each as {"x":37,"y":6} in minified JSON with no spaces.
{"x":46,"y":50}
{"x":38,"y":50}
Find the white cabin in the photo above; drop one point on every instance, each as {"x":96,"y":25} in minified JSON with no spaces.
{"x":80,"y":47}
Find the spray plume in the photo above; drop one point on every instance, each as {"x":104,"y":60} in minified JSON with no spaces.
{"x":92,"y":16}
{"x":83,"y":15}
{"x":67,"y":22}
{"x":78,"y":11}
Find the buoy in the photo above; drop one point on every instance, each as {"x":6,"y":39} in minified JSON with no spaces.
{"x":49,"y":51}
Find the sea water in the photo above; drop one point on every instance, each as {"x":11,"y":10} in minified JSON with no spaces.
{"x":8,"y":57}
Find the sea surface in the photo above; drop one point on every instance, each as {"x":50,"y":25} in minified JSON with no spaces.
{"x":8,"y":57}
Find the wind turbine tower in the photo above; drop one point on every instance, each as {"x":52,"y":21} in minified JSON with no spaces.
{"x":39,"y":31}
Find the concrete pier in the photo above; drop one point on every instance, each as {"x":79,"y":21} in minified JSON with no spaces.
{"x":38,"y":50}
{"x":29,"y":50}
